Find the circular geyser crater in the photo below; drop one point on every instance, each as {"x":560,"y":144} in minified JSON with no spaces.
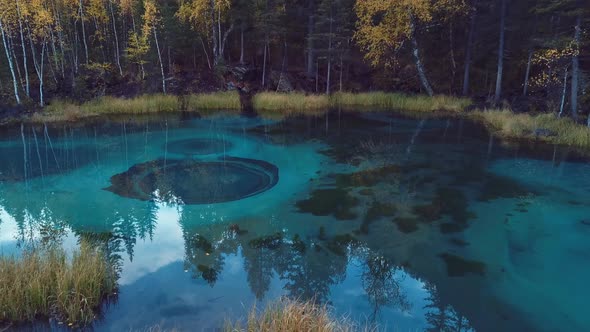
{"x":196,"y":182}
{"x":199,"y":146}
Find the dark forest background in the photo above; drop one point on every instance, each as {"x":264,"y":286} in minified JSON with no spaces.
{"x":83,"y":49}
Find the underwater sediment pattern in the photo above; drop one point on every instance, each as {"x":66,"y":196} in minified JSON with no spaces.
{"x":409,"y":224}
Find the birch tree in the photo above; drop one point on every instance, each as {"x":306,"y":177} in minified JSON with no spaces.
{"x":6,"y":18}
{"x":151,"y":22}
{"x":208,"y":17}
{"x":384,"y":26}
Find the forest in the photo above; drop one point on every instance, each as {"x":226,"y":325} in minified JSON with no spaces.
{"x":531,"y":55}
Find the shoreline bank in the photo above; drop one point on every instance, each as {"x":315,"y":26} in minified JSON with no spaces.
{"x":502,"y":123}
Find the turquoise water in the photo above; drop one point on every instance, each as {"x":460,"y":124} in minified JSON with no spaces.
{"x":410,"y":224}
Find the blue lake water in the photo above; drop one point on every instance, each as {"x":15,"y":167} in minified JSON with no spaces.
{"x":410,"y":224}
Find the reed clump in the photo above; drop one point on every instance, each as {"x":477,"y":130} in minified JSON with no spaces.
{"x":544,"y":127}
{"x":46,"y":282}
{"x":294,"y":316}
{"x":398,"y":102}
{"x":265,"y":102}
{"x":291,"y":102}
{"x":225,"y":100}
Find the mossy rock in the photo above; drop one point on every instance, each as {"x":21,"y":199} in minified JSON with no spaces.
{"x":448,"y":201}
{"x":406,"y":225}
{"x":428,"y":212}
{"x":339,"y":243}
{"x":459,"y":242}
{"x":449,"y":227}
{"x":209,"y":274}
{"x":496,"y":187}
{"x":267,"y":242}
{"x":367,"y":178}
{"x":298,"y":244}
{"x":458,"y":266}
{"x":366,"y":192}
{"x":325,"y":202}
{"x":198,"y":241}
{"x":376,"y":211}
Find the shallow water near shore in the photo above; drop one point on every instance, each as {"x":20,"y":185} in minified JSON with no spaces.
{"x":409,"y":224}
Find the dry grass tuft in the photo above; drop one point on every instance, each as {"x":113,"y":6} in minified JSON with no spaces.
{"x":397,"y":102}
{"x":265,"y":102}
{"x":45,"y":282}
{"x":506,"y":124}
{"x":291,"y":102}
{"x":294,"y":316}
{"x":229,"y":100}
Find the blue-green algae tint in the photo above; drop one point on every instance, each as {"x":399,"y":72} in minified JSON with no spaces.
{"x":409,"y":224}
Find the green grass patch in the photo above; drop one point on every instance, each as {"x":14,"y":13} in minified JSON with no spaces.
{"x":46,"y":282}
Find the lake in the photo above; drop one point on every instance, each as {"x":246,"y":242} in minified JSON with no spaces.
{"x":408,"y":223}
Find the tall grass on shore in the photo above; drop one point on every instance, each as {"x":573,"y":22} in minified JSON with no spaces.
{"x":266,"y":102}
{"x":291,"y":102}
{"x":64,"y":110}
{"x":294,"y":316}
{"x":45,"y":282}
{"x":502,"y":122}
{"x":302,"y":103}
{"x":398,"y":102}
{"x":562,"y":131}
{"x":228,"y":100}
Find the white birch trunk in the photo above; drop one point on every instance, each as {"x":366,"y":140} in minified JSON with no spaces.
{"x":10,"y":63}
{"x":83,"y":31}
{"x":160,"y":59}
{"x":500,"y":72}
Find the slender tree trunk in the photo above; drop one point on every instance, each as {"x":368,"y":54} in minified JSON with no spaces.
{"x":452,"y":55}
{"x":576,"y":70}
{"x":160,"y":59}
{"x":219,"y":32}
{"x":51,"y":69}
{"x":317,"y":75}
{"x":41,"y":96}
{"x":12,"y":50}
{"x":10,"y":64}
{"x":283,"y":64}
{"x":53,"y":49}
{"x":418,"y":60}
{"x":224,"y":40}
{"x":563,"y":93}
{"x":498,"y":92}
{"x":310,"y":46}
{"x":83,"y":31}
{"x":328,"y":75}
{"x":75,"y":57}
{"x":527,"y":73}
{"x":264,"y":63}
{"x":206,"y":53}
{"x":38,"y":65}
{"x":242,"y":44}
{"x":169,"y":61}
{"x":215,"y":34}
{"x":60,"y":40}
{"x":117,"y":50}
{"x":59,"y":32}
{"x":341,"y":69}
{"x":22,"y":42}
{"x":470,"y":37}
